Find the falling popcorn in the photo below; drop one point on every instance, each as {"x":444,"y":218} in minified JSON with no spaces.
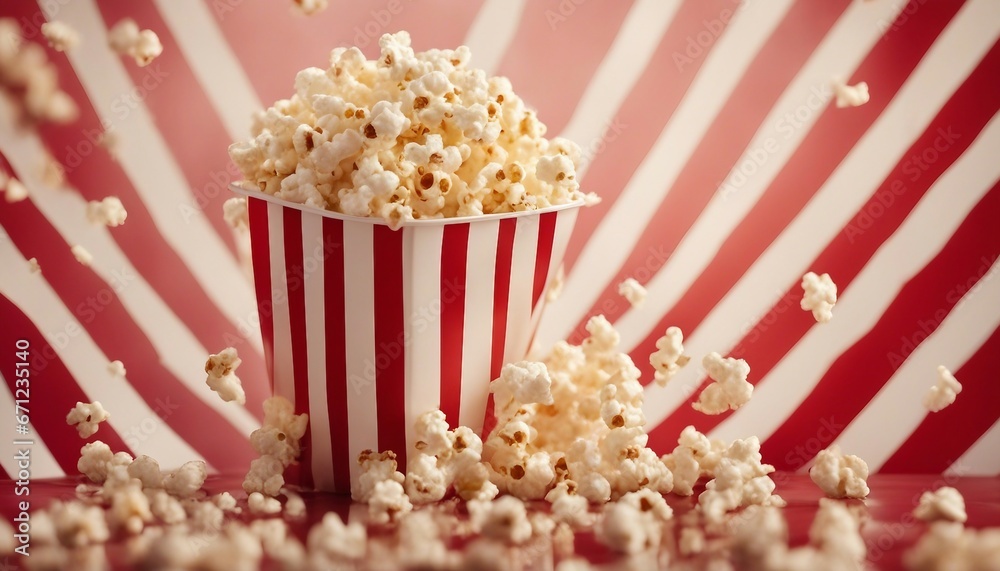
{"x":944,"y":503}
{"x":669,"y":356}
{"x":556,"y":285}
{"x":819,"y":296}
{"x":116,"y":369}
{"x":27,"y":74}
{"x":60,"y":36}
{"x":82,"y":255}
{"x":15,"y":191}
{"x":944,"y":392}
{"x":86,"y":417}
{"x":729,"y":390}
{"x":107,"y":212}
{"x":125,"y":38}
{"x":632,"y":291}
{"x":310,"y":7}
{"x":850,"y":95}
{"x":33,"y":266}
{"x":234,"y":212}
{"x":222,"y":379}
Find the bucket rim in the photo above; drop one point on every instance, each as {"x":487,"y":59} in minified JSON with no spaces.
{"x":374,"y":220}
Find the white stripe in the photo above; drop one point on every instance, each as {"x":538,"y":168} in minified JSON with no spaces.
{"x":477,"y":340}
{"x":492,"y":32}
{"x":522,"y":279}
{"x":422,"y":357}
{"x":43,"y":463}
{"x":565,"y":221}
{"x":149,"y":164}
{"x":981,"y":458}
{"x":165,"y":331}
{"x":87,"y":364}
{"x":315,"y":301}
{"x":613,"y":240}
{"x":921,"y":236}
{"x":359,"y":293}
{"x":843,"y":49}
{"x":284,"y":375}
{"x":897,"y":410}
{"x":214,"y":64}
{"x":629,"y":55}
{"x":872,"y":159}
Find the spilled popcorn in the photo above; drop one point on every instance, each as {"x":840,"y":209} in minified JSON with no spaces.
{"x":944,"y":503}
{"x":277,"y":442}
{"x":125,"y":38}
{"x":819,"y":296}
{"x":407,"y":136}
{"x":840,"y":475}
{"x":944,"y":392}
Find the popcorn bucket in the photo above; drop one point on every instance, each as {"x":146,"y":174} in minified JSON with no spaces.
{"x":365,"y":327}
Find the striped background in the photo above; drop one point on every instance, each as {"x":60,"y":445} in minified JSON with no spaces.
{"x":725,"y":171}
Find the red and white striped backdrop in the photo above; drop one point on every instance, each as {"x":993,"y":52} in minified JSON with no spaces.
{"x":726,"y":174}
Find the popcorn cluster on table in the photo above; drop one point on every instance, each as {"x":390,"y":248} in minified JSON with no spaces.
{"x":408,"y":135}
{"x":31,"y":79}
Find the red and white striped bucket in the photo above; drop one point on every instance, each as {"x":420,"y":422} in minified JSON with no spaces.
{"x":365,"y":327}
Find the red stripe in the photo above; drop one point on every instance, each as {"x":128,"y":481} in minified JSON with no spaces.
{"x":833,"y":136}
{"x":543,"y":255}
{"x":52,"y":390}
{"x":965,"y":114}
{"x":199,"y":142}
{"x":944,"y":436}
{"x":3,"y":474}
{"x":92,"y":172}
{"x":102,"y":315}
{"x":336,"y":355}
{"x":295,"y":279}
{"x":260,"y":256}
{"x":433,"y":25}
{"x":645,"y":112}
{"x":916,"y":312}
{"x":575,"y":38}
{"x":390,"y":349}
{"x":454,"y":253}
{"x":501,"y":300}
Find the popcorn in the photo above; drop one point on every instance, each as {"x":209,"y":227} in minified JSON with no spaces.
{"x":261,"y":504}
{"x":33,"y":266}
{"x":234,"y":211}
{"x":425,"y":481}
{"x":626,"y":529}
{"x":108,"y":212}
{"x":819,"y":296}
{"x":836,"y":532}
{"x":116,"y":369}
{"x":82,"y":255}
{"x":523,"y":382}
{"x":227,"y":503}
{"x":420,"y":543}
{"x":32,"y":80}
{"x":310,"y":7}
{"x":97,"y":460}
{"x":165,"y":507}
{"x":375,"y":468}
{"x":850,"y":95}
{"x":331,"y":540}
{"x":222,"y":379}
{"x":125,"y":38}
{"x":504,"y":519}
{"x":945,"y":503}
{"x":147,"y":471}
{"x":406,"y":136}
{"x":839,"y":475}
{"x":944,"y":392}
{"x":277,"y":441}
{"x":77,"y":524}
{"x":86,"y":417}
{"x":948,"y":545}
{"x":730,"y":389}
{"x":388,"y":502}
{"x":692,"y":541}
{"x":60,"y":36}
{"x":568,"y":506}
{"x":14,"y":191}
{"x":295,"y":506}
{"x":632,"y":291}
{"x":266,"y":476}
{"x":130,"y":509}
{"x":187,"y":480}
{"x":556,"y":285}
{"x":669,"y":356}
{"x":740,"y":479}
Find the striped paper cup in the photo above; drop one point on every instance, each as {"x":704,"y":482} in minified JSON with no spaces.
{"x":365,"y":327}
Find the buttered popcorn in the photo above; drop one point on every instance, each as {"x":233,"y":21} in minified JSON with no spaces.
{"x":277,"y":442}
{"x":406,"y":136}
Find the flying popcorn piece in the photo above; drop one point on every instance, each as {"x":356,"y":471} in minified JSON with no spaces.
{"x":31,"y":79}
{"x":14,"y":191}
{"x":850,"y":95}
{"x":82,"y":255}
{"x":87,"y":417}
{"x":222,"y":379}
{"x":729,"y":390}
{"x":60,"y":36}
{"x":277,"y":442}
{"x":116,"y":369}
{"x":632,"y":291}
{"x":840,"y":475}
{"x":556,"y":285}
{"x":669,"y":356}
{"x":819,"y":296}
{"x":234,"y":212}
{"x":107,"y":212}
{"x":33,"y":266}
{"x":125,"y":38}
{"x":944,"y":503}
{"x":944,"y":392}
{"x":310,"y":7}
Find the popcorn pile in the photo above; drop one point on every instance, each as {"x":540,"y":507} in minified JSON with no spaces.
{"x":31,"y":80}
{"x":125,"y":38}
{"x":407,"y":136}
